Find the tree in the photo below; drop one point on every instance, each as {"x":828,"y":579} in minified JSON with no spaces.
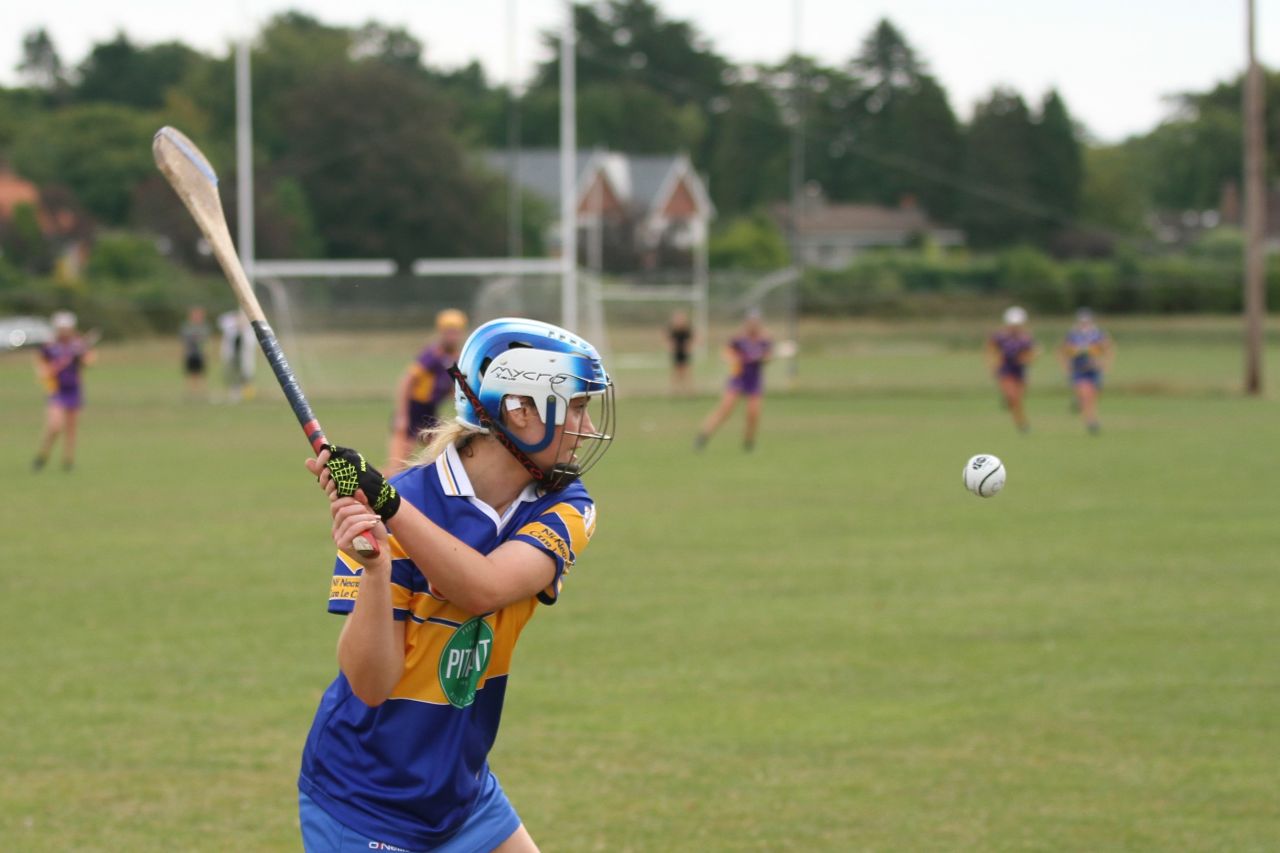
{"x":393,"y":46}
{"x":481,"y":109}
{"x":121,"y":72}
{"x":41,"y":66}
{"x":999,"y":205}
{"x":887,"y":65}
{"x":22,"y":241}
{"x":631,"y":41}
{"x":668,"y":77}
{"x":99,"y":151}
{"x":908,"y":141}
{"x":747,"y":163}
{"x":18,"y":108}
{"x":1112,"y":195}
{"x":878,"y":130}
{"x":1186,"y":161}
{"x":371,"y":150}
{"x":1059,"y":164}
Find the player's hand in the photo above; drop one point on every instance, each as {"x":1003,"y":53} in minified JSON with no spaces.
{"x":316,"y":465}
{"x":352,"y":518}
{"x":352,"y":473}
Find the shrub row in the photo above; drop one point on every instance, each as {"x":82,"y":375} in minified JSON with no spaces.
{"x":894,"y":282}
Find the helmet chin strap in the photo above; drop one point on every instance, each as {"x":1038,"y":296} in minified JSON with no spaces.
{"x":558,"y":477}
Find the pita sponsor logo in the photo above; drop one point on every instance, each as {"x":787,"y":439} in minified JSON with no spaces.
{"x":464,"y":660}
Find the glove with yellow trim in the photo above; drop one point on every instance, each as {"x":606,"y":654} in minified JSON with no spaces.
{"x":351,"y":472}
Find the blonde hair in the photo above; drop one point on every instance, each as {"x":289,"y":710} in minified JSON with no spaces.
{"x":436,"y":439}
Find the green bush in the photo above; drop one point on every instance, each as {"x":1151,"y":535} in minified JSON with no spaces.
{"x":1034,"y":279}
{"x":907,"y":282}
{"x":748,"y":243}
{"x":123,"y":257}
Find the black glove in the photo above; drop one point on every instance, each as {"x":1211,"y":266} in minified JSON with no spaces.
{"x":351,"y":472}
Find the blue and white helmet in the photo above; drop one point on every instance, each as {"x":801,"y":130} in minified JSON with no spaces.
{"x":514,"y":357}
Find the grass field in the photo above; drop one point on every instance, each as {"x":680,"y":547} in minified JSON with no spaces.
{"x":826,"y":645}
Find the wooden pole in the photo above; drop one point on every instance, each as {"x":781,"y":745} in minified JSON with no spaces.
{"x":1254,"y":217}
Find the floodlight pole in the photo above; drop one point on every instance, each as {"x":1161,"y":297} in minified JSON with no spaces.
{"x":1254,"y":215}
{"x":244,"y":159}
{"x":515,"y":242}
{"x":568,"y":178}
{"x":797,"y":186}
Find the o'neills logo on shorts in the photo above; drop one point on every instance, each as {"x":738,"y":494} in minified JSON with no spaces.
{"x":382,"y":845}
{"x":463,"y":661}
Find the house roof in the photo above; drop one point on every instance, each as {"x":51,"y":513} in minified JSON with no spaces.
{"x":642,"y":181}
{"x":14,"y":191}
{"x":538,"y":169}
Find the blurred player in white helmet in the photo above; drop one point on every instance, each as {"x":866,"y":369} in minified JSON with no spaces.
{"x":58,"y":365}
{"x":1010,"y":351}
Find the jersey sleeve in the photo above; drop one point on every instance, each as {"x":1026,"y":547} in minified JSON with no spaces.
{"x":345,"y":584}
{"x":563,"y":531}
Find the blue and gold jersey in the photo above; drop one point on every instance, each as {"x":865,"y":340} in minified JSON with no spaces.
{"x":1084,"y":349}
{"x":409,"y":771}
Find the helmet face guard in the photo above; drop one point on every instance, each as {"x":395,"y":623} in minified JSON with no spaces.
{"x":599,"y":412}
{"x":554,"y":409}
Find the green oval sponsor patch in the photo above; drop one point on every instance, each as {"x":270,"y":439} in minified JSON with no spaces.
{"x":463,"y":661}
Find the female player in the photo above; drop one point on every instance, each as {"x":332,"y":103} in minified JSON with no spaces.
{"x":747,"y":354}
{"x":58,"y":364}
{"x":423,"y":387}
{"x":481,"y":532}
{"x":680,"y":337}
{"x":1086,"y":355}
{"x":1010,"y":350}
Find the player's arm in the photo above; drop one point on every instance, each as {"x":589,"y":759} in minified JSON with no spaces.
{"x":43,"y":367}
{"x":1107,"y":354}
{"x":478,"y":583}
{"x":1064,"y":355}
{"x":371,"y":646}
{"x":992,"y":354}
{"x":403,"y":389}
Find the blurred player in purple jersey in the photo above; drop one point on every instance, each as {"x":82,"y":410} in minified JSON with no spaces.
{"x":424,"y":385}
{"x":747,"y":354}
{"x":1086,"y":354}
{"x":58,"y":364}
{"x":1010,"y":351}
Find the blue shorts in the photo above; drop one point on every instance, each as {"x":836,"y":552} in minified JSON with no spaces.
{"x":493,"y":822}
{"x":1093,"y":377}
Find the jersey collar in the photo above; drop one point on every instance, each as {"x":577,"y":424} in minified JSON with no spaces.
{"x":455,"y":483}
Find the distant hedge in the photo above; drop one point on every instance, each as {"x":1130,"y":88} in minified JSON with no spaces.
{"x":900,"y":281}
{"x":127,"y":289}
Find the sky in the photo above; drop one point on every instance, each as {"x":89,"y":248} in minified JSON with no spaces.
{"x":1114,"y":61}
